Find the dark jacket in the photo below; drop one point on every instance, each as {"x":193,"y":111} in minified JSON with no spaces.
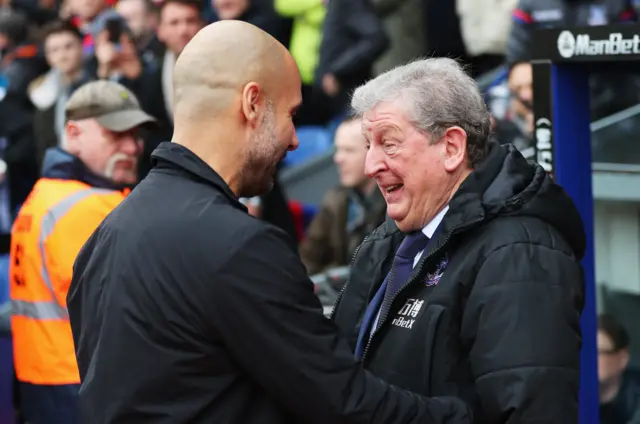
{"x":262,"y":14}
{"x":625,"y":407}
{"x":353,"y":39}
{"x":19,"y":66}
{"x":186,"y":309}
{"x":492,"y":311}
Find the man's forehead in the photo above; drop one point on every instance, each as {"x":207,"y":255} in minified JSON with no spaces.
{"x":381,"y":121}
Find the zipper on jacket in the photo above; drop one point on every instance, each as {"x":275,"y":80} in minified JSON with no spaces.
{"x":423,"y":263}
{"x":344,"y":286}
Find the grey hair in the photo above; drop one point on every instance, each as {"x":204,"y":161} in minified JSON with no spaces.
{"x":438,"y":94}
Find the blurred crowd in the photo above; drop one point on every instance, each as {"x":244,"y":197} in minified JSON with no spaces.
{"x":50,"y":48}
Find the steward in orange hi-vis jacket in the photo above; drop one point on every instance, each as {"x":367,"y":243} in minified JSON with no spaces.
{"x":80,"y":185}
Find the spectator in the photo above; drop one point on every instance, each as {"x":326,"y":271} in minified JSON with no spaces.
{"x":404,"y":24}
{"x":142,"y":19}
{"x":517,"y":126}
{"x":81,"y":185}
{"x":21,"y":64}
{"x":353,"y":38}
{"x":115,"y":56}
{"x":49,"y":93}
{"x":83,"y":14}
{"x":485,"y":26}
{"x":349,"y":212}
{"x":260,"y":13}
{"x":308,"y":17}
{"x":179,"y":21}
{"x":619,"y":387}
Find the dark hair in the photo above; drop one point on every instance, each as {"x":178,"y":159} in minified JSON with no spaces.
{"x":60,"y":26}
{"x":608,"y":324}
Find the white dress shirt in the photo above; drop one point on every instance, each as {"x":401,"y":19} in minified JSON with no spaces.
{"x":431,"y":228}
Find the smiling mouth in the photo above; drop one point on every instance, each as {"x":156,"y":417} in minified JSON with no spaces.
{"x":392,"y":188}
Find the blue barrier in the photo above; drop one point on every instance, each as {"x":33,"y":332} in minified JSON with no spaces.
{"x":6,"y":352}
{"x":313,"y":142}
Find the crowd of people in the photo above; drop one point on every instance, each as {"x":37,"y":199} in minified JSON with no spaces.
{"x":89,"y":91}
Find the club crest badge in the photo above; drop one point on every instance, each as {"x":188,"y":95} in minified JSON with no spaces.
{"x":433,"y":278}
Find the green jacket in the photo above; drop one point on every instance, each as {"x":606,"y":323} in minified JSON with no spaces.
{"x":308,"y":17}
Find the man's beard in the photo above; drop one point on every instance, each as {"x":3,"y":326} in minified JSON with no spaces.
{"x":110,"y":168}
{"x":262,"y":159}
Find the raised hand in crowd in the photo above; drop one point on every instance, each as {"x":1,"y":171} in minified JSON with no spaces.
{"x":117,"y":59}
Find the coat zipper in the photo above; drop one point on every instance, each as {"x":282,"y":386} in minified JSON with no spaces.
{"x":344,"y":286}
{"x":423,"y":262}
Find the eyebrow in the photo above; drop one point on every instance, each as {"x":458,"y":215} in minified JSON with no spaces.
{"x":382,"y":130}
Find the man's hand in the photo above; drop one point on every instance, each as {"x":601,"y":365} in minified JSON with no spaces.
{"x":111,"y":59}
{"x":330,"y":85}
{"x":106,"y":54}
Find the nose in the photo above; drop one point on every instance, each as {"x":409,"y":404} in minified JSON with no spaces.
{"x":374,"y":162}
{"x":294,"y":142}
{"x":130,"y":145}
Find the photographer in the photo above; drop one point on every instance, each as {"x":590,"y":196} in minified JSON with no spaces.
{"x":115,"y":56}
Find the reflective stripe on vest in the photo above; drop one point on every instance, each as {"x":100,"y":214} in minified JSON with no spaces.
{"x":51,"y":310}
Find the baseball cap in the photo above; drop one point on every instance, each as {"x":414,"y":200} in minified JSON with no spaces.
{"x":110,"y":103}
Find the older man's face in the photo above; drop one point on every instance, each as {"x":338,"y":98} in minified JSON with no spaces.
{"x":409,"y":169}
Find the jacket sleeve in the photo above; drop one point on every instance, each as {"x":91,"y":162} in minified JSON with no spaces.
{"x":519,"y":43}
{"x":523,"y":315}
{"x":371,"y":39}
{"x":271,"y":322}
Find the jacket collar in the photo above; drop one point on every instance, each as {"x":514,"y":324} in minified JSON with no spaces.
{"x":61,"y":165}
{"x":177,"y":157}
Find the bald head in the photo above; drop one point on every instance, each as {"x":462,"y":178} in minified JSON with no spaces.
{"x":236,"y":89}
{"x":220,"y":60}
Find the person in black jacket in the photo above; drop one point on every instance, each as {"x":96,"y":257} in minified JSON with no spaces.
{"x":473,"y":287}
{"x":186,"y":309}
{"x":353,"y":38}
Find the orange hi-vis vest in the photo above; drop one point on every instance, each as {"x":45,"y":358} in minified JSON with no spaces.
{"x":52,"y":226}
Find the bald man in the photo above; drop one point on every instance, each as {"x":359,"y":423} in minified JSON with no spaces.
{"x":184,"y":308}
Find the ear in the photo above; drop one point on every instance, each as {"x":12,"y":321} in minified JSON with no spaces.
{"x":72,"y":137}
{"x":251,"y":100}
{"x":455,"y":148}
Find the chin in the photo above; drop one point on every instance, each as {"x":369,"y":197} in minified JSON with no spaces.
{"x":399,"y":215}
{"x":125,"y":179}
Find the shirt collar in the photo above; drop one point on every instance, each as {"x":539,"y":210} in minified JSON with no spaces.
{"x":431,"y":227}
